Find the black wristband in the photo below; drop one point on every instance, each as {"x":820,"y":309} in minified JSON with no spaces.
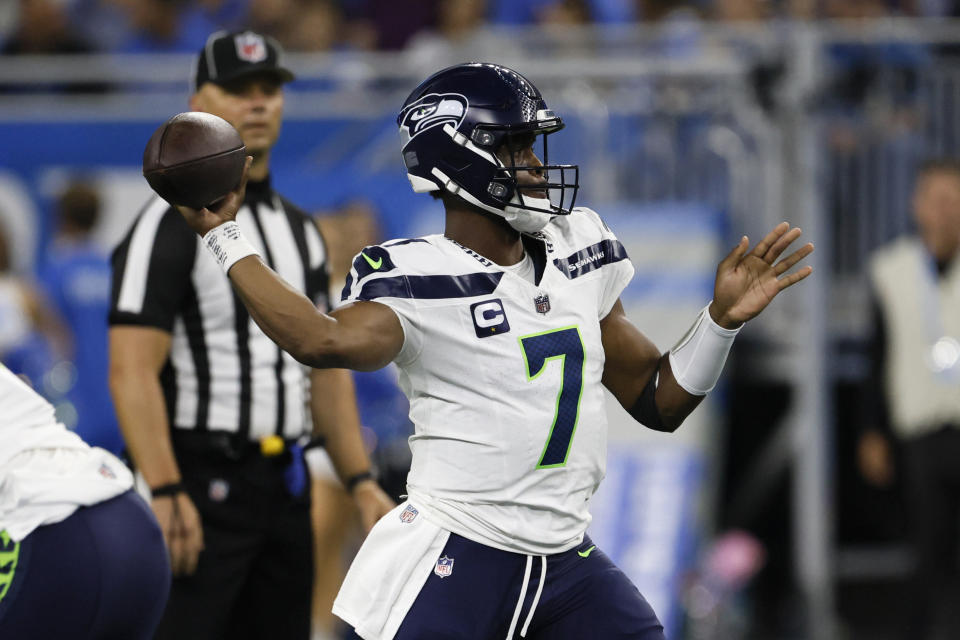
{"x":315,"y":442}
{"x":167,"y":490}
{"x":352,"y":482}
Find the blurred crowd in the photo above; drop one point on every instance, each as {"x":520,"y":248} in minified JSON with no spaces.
{"x":148,"y":26}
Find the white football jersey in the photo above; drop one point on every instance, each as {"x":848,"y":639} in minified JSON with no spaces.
{"x":503,"y":377}
{"x":46,"y":471}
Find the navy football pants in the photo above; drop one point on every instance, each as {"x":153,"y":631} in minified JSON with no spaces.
{"x":583,"y":597}
{"x":101,"y":574}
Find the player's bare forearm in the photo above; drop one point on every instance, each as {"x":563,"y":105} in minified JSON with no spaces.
{"x":631,"y":362}
{"x":283,"y":313}
{"x":136,"y":356}
{"x":364,"y":336}
{"x":370,"y":339}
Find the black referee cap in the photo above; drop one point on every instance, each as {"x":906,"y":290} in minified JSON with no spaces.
{"x":232,"y":55}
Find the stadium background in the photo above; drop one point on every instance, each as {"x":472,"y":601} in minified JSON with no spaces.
{"x":692,"y":122}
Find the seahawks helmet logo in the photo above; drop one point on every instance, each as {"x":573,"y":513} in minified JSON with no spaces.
{"x":435,"y":109}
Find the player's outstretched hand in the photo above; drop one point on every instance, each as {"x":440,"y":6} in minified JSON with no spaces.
{"x":203,"y":220}
{"x":372,"y":503}
{"x":747,"y":282}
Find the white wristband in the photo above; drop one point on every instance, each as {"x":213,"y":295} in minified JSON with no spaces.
{"x":228,"y":245}
{"x":698,"y":358}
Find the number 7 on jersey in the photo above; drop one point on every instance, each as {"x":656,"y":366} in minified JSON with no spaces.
{"x":565,"y":345}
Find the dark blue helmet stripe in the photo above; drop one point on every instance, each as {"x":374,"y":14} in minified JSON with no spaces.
{"x":593,"y":257}
{"x":431,"y":287}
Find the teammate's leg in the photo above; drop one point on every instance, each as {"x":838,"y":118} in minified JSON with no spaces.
{"x":587,"y":596}
{"x":135,"y":569}
{"x":53,"y":589}
{"x":101,"y":574}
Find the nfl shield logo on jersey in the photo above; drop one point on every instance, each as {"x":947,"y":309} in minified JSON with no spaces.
{"x":408,"y":514}
{"x":251,"y":47}
{"x":444,"y":567}
{"x":542,"y":303}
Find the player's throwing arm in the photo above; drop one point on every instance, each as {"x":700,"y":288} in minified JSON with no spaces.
{"x":364,"y":336}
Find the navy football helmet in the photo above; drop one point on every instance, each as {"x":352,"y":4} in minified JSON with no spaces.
{"x":452,"y":125}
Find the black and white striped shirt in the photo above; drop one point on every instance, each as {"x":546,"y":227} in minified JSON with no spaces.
{"x":223,"y":373}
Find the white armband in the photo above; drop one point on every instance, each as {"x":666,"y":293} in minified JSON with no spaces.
{"x":698,"y":358}
{"x":228,"y":245}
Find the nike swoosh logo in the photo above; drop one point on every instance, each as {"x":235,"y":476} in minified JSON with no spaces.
{"x":584,"y":554}
{"x":375,"y":264}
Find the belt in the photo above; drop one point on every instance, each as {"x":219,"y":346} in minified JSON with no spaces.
{"x":233,"y":446}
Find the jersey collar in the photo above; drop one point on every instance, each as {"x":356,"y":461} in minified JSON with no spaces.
{"x":537,"y":248}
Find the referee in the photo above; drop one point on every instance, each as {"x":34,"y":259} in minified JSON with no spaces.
{"x":211,"y":409}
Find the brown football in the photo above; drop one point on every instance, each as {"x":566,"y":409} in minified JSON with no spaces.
{"x":194,"y":159}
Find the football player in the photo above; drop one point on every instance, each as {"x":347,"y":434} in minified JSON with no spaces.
{"x":81,"y":555}
{"x":505,"y":329}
